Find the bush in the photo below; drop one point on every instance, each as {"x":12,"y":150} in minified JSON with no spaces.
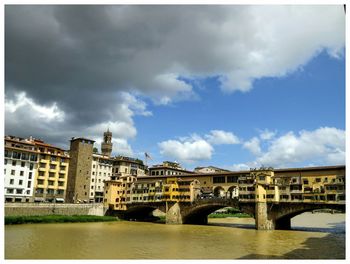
{"x":14,"y":220}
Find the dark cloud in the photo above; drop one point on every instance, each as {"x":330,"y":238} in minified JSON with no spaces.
{"x":83,"y":57}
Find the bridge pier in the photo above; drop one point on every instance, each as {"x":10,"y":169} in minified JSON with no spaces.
{"x":173,"y":215}
{"x":264,"y":220}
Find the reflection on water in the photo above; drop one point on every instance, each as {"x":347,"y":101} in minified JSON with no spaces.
{"x":320,"y":236}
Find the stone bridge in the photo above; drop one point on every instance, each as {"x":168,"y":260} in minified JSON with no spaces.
{"x":268,"y":216}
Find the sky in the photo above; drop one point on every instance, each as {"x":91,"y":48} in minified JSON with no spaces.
{"x":235,"y":87}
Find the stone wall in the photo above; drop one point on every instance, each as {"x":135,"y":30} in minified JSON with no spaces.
{"x":16,"y":209}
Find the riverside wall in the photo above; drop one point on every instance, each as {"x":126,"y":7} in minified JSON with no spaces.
{"x":17,"y":209}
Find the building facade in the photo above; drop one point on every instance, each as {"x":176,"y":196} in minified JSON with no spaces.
{"x":101,"y":171}
{"x":128,"y":166}
{"x":79,"y":180}
{"x":20,"y":165}
{"x":118,"y":193}
{"x":52,"y":173}
{"x":168,"y":168}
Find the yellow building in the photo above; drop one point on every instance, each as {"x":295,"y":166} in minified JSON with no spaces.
{"x":51,"y":176}
{"x":118,"y":193}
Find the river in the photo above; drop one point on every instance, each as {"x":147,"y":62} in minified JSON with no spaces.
{"x":314,"y":236}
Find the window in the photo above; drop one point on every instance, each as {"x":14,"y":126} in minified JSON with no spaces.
{"x":25,"y":156}
{"x":63,"y":160}
{"x":5,"y":161}
{"x":261,"y":178}
{"x":219,"y":179}
{"x":52,"y":167}
{"x":33,"y":157}
{"x":12,"y":181}
{"x":31,"y":166}
{"x":20,"y":182}
{"x":51,"y":174}
{"x":23,"y":164}
{"x":9,"y":191}
{"x":16,"y":155}
{"x":53,"y":158}
{"x":41,"y":173}
{"x":19,"y":191}
{"x":29,"y":184}
{"x":40,"y":182}
{"x":12,"y":172}
{"x":21,"y":173}
{"x":305,"y":181}
{"x":231,"y":179}
{"x":318,"y":180}
{"x":13,"y":163}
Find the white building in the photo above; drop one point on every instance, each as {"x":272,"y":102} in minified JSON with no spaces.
{"x":101,"y":171}
{"x":21,"y":162}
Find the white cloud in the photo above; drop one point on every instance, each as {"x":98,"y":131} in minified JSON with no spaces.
{"x":189,"y":150}
{"x":22,"y":114}
{"x":267,"y":134}
{"x":218,"y":137}
{"x":22,"y":103}
{"x":323,"y":146}
{"x":239,"y":167}
{"x":253,"y":145}
{"x":138,"y":106}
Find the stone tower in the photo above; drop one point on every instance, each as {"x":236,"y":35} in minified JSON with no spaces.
{"x":106,"y":146}
{"x":79,"y":170}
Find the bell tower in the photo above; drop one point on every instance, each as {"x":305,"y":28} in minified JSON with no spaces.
{"x":106,"y":146}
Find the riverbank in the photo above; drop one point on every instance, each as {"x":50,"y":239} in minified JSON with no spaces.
{"x":239,"y":215}
{"x":15,"y":220}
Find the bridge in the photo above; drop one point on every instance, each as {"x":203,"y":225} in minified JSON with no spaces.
{"x":268,"y":215}
{"x":271,"y":198}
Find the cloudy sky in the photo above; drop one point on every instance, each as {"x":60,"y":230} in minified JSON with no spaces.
{"x":229,"y":86}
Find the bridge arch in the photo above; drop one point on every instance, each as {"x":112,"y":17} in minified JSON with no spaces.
{"x":141,"y":212}
{"x":219,"y":192}
{"x":198,"y":213}
{"x":283,"y":216}
{"x":232,"y":190}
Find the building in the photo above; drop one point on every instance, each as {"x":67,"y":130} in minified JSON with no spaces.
{"x":168,"y":168}
{"x":128,"y":166}
{"x":147,"y":191}
{"x":34,"y":171}
{"x":101,"y":171}
{"x":209,"y":169}
{"x":20,"y":165}
{"x":52,"y":174}
{"x":106,"y":146}
{"x":79,"y":180}
{"x":117,"y":193}
{"x":89,"y":169}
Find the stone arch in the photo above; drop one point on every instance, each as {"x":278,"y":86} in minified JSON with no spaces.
{"x":140,"y":212}
{"x":219,"y":192}
{"x":199,"y":215}
{"x":283,"y":218}
{"x":231,"y":191}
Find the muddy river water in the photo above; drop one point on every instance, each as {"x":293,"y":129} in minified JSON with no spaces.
{"x":314,"y":236}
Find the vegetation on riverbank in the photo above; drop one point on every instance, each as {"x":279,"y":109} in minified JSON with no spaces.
{"x":239,"y":215}
{"x":14,"y":220}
